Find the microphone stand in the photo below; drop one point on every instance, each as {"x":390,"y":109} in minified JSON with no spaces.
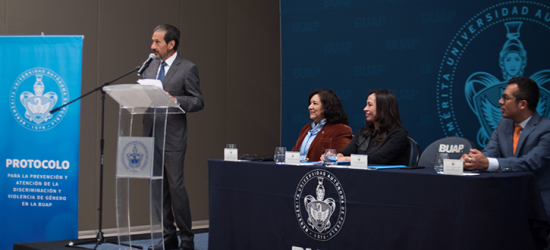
{"x":100,"y":237}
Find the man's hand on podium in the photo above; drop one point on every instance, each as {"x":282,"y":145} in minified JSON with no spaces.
{"x":173,"y":98}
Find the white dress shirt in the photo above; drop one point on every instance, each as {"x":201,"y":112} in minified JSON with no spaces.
{"x":169,"y":62}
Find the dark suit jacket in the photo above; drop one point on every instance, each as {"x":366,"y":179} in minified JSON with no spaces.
{"x":331,"y":136}
{"x":532,"y":151}
{"x":391,"y":151}
{"x":182,"y":82}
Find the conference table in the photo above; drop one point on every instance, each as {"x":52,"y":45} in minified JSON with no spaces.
{"x":263,"y":205}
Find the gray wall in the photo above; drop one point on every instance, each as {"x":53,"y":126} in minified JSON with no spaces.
{"x":236,"y":45}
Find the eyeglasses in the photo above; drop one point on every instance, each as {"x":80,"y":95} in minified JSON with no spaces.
{"x":506,"y":98}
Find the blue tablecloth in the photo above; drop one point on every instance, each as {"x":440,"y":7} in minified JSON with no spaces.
{"x":261,"y":205}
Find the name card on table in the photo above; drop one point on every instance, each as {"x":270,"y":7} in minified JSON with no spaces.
{"x":231,"y":154}
{"x":292,"y":157}
{"x":359,"y":161}
{"x":453,"y":167}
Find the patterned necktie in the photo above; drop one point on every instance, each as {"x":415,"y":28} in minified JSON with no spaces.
{"x":161,"y":72}
{"x":517,"y":128}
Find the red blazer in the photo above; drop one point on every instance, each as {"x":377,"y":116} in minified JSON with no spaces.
{"x":335,"y":136}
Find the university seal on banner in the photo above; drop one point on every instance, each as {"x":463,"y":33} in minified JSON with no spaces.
{"x":319,"y":216}
{"x":505,"y":24}
{"x":34,"y":94}
{"x":134,"y":156}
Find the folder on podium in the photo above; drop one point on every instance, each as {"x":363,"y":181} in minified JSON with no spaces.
{"x":140,"y":155}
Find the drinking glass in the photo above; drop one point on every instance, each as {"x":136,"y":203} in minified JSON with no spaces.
{"x":330,"y":157}
{"x":279,"y":156}
{"x":439,"y":159}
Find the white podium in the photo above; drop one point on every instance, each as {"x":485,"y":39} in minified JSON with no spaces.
{"x":140,"y":156}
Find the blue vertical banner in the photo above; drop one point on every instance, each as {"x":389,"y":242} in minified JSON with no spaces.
{"x":39,"y":150}
{"x":447,"y":61}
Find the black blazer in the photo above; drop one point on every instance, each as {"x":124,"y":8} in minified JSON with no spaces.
{"x":391,"y":151}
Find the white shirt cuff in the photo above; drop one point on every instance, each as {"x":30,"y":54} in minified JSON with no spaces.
{"x":493,"y":164}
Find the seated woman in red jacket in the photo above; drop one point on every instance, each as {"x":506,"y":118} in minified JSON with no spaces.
{"x":329,"y":128}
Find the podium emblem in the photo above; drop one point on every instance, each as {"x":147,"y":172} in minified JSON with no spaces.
{"x":34,"y":94}
{"x":321,"y":216}
{"x":135,"y":156}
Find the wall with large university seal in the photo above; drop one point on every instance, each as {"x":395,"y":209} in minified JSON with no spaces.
{"x":447,"y":61}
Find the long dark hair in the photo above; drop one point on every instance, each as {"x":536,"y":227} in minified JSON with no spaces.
{"x":332,"y":106}
{"x":387,"y":115}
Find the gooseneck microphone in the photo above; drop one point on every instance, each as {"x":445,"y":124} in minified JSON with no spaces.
{"x":146,"y":64}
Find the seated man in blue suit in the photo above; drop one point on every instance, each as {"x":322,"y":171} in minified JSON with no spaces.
{"x":521,"y":141}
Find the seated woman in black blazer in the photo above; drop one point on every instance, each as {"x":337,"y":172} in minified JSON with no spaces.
{"x":383,"y":139}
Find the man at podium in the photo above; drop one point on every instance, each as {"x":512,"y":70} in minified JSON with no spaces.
{"x":180,"y":80}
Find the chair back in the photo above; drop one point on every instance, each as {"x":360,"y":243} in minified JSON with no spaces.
{"x":413,"y":153}
{"x":454,"y":146}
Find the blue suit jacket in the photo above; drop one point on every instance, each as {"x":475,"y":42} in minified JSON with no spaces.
{"x":532,"y":151}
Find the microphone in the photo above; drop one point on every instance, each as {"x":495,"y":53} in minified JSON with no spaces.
{"x":146,"y":64}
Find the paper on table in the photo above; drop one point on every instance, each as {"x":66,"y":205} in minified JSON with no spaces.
{"x":311,"y":163}
{"x":353,"y":167}
{"x":388,"y":167}
{"x":153,"y":82}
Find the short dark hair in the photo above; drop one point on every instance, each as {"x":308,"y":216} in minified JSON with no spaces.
{"x":172,"y":34}
{"x":332,"y":106}
{"x":528,"y":90}
{"x":387,"y":115}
